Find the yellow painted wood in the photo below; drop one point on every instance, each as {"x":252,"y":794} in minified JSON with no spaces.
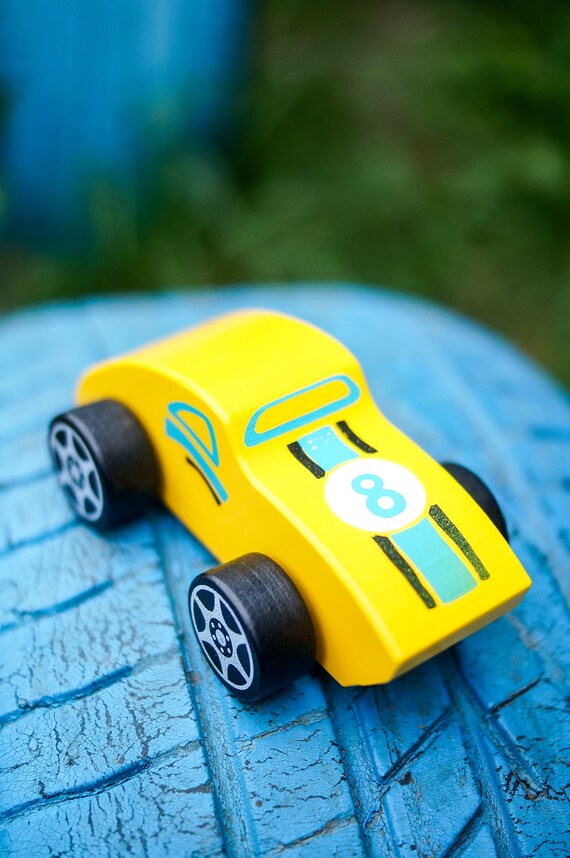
{"x":371,"y":624}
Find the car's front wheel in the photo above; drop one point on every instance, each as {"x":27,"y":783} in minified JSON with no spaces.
{"x":480,"y":493}
{"x":104,"y":461}
{"x":252,"y":625}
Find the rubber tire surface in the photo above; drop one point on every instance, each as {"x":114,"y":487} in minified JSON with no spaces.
{"x":116,"y":736}
{"x":480,"y":493}
{"x":123,"y":457}
{"x":273,"y":618}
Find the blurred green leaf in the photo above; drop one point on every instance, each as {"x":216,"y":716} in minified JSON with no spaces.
{"x":424,"y":146}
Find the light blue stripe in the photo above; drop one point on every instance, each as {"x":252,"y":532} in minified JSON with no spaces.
{"x":252,"y":437}
{"x":325,"y":448}
{"x":178,"y":408}
{"x":174,"y":432}
{"x":436,"y":561}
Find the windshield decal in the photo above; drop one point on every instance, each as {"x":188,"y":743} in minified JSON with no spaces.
{"x":253,"y":437}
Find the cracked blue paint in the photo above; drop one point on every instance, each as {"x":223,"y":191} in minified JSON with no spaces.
{"x":114,"y":735}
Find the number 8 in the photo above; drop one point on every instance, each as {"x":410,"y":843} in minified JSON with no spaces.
{"x":372,"y":486}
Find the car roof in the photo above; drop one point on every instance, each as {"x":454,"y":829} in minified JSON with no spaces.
{"x":244,"y":361}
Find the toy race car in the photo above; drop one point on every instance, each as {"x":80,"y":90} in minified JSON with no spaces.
{"x":340,"y":539}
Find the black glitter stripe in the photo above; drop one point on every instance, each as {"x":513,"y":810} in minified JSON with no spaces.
{"x":302,"y":457}
{"x":404,"y":567}
{"x":354,"y":439}
{"x":455,"y":534}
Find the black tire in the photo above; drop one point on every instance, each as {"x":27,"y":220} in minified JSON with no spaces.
{"x":252,"y":625}
{"x":104,"y":461}
{"x":480,"y":493}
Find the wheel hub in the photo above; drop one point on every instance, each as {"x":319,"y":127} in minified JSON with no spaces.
{"x":220,"y":637}
{"x":223,"y":641}
{"x":75,"y":472}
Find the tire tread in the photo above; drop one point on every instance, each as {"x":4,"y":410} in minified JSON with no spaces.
{"x":114,"y":733}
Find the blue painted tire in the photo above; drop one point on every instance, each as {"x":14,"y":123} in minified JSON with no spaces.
{"x":116,"y":736}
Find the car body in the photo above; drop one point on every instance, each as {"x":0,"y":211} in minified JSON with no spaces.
{"x":268,"y":440}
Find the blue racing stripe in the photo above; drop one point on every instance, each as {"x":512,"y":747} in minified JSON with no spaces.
{"x":325,"y":448}
{"x":175,"y":432}
{"x":436,"y":560}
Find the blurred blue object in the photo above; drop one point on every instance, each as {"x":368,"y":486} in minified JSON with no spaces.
{"x":92,"y":89}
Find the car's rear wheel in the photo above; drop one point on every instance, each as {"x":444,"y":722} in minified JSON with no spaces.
{"x":252,"y":625}
{"x":480,"y":493}
{"x":104,"y":461}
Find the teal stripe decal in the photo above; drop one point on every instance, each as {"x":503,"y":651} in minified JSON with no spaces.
{"x":436,"y":561}
{"x":173,"y":431}
{"x":325,"y":448}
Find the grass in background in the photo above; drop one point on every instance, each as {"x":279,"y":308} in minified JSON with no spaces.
{"x":424,"y":146}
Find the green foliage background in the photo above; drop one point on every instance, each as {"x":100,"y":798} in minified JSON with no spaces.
{"x":424,"y":146}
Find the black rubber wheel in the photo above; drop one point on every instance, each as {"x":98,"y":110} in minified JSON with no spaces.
{"x":480,"y":493}
{"x":104,"y":461}
{"x":252,"y":625}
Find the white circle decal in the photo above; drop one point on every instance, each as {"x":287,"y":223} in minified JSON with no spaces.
{"x":375,"y":495}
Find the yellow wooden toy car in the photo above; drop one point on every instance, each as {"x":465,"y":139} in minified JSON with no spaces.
{"x":339,"y":538}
